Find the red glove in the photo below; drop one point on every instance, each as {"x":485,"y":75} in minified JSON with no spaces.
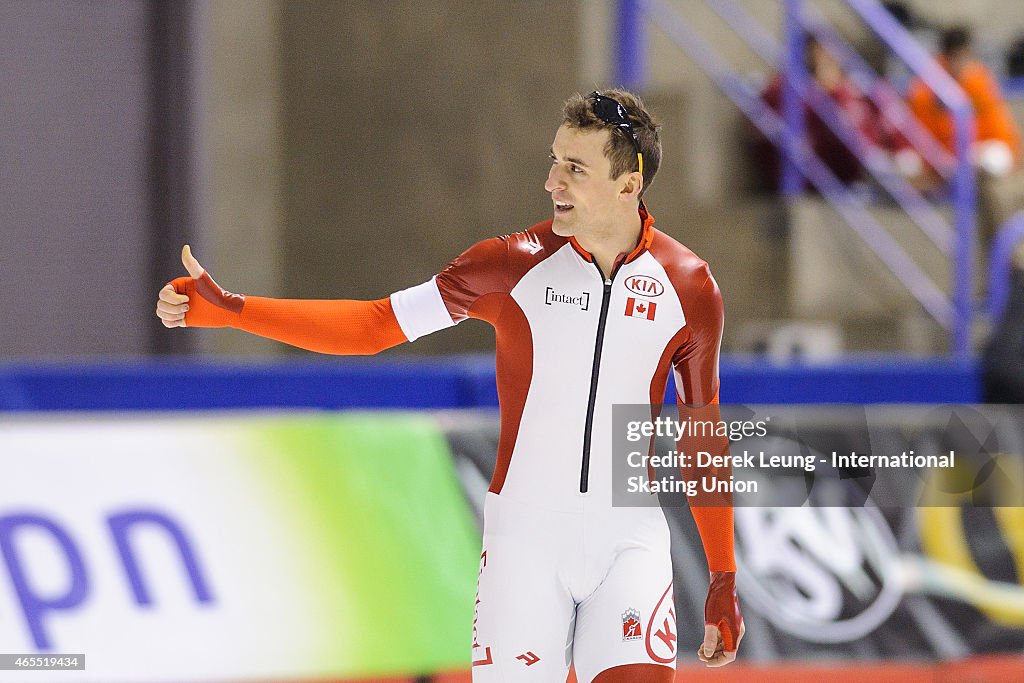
{"x":723,"y":623}
{"x":197,"y":300}
{"x":213,"y":307}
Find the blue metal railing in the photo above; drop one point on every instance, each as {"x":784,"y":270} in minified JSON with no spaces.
{"x":772,"y":126}
{"x":954,"y":313}
{"x":793,"y":112}
{"x":1000,"y":263}
{"x":1013,"y":86}
{"x":920,"y":210}
{"x":962,"y":183}
{"x":630,"y":46}
{"x":882,"y":93}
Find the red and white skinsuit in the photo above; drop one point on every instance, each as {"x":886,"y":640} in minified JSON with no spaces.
{"x":564,"y":575}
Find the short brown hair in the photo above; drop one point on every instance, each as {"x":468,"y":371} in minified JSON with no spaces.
{"x":577,"y":112}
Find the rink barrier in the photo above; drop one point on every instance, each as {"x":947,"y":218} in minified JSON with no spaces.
{"x":168,"y":528}
{"x":436,"y":383}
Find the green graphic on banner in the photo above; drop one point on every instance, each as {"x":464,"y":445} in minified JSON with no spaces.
{"x":303,"y":546}
{"x":392,"y":548}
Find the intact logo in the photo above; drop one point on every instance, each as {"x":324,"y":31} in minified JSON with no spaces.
{"x":631,"y":625}
{"x":638,"y":308}
{"x":552,"y":297}
{"x":644,"y":285}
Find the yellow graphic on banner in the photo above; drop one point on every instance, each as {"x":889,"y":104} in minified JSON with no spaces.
{"x":944,"y":539}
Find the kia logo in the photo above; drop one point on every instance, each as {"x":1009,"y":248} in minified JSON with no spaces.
{"x":644,"y":285}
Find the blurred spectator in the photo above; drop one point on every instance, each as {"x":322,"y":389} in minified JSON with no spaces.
{"x":996,"y":149}
{"x":830,"y":80}
{"x":1003,"y":358}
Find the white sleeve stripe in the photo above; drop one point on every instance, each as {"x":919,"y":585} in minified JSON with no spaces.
{"x":420,"y":310}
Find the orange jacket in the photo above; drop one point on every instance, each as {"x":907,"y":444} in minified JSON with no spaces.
{"x":993,"y":120}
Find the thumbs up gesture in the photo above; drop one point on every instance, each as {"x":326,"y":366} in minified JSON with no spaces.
{"x":196,"y":300}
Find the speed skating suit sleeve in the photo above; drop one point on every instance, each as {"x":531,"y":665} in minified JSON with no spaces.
{"x":338,"y":326}
{"x":350,"y":327}
{"x":696,"y":374}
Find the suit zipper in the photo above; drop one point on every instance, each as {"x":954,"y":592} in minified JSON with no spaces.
{"x":598,"y":347}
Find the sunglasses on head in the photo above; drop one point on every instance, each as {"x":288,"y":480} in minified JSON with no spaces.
{"x":611,"y":112}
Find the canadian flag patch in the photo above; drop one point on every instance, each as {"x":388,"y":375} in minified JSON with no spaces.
{"x":641,"y":308}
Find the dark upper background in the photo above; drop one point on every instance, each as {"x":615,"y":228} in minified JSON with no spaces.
{"x":327,"y":149}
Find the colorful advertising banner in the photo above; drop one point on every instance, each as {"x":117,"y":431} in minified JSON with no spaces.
{"x":897,"y":558}
{"x":338,"y":546}
{"x":234,"y":547}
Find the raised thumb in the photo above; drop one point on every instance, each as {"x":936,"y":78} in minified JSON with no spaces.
{"x":190,"y":262}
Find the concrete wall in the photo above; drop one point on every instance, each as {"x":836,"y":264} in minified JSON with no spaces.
{"x":74,"y":239}
{"x":400,"y":143}
{"x":407,"y":141}
{"x":243,"y":193}
{"x":342,"y":150}
{"x":995,"y":22}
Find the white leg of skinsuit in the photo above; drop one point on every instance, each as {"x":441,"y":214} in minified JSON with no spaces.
{"x":556,"y":587}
